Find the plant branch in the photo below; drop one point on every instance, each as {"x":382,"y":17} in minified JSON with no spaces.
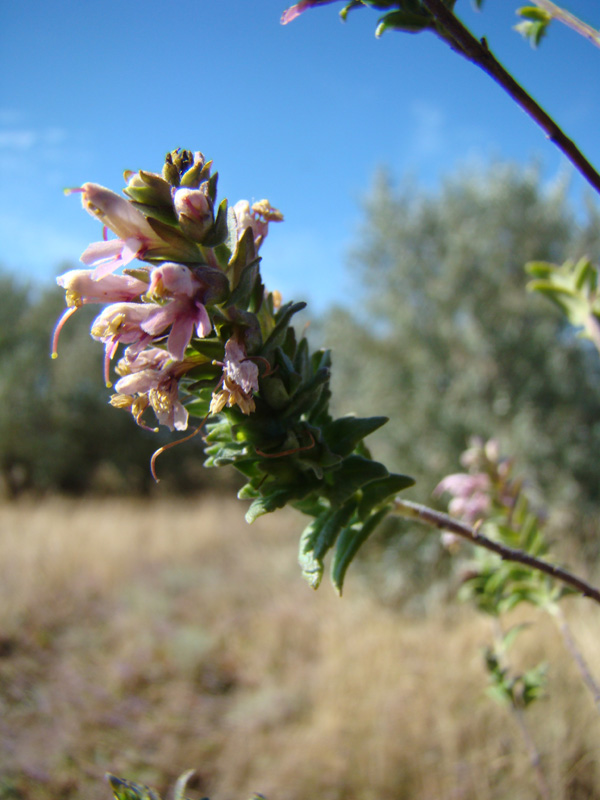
{"x":576,"y":655}
{"x":436,"y":519}
{"x":570,"y":21}
{"x":478,"y":52}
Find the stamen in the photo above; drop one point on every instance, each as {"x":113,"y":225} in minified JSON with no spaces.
{"x":59,"y":326}
{"x":160,"y":450}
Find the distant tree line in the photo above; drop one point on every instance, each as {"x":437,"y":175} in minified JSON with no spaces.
{"x":57,"y":431}
{"x":446,"y":341}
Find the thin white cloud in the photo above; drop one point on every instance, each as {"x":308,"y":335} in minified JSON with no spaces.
{"x":428,"y":125}
{"x":17,"y":140}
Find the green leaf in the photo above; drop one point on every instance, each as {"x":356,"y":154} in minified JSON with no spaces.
{"x":182,"y":247}
{"x":318,"y":538}
{"x":307,"y":395}
{"x":127,"y":790}
{"x":277,"y":336}
{"x":244,"y":252}
{"x":351,"y":5}
{"x":405,"y":21}
{"x":245,"y":286}
{"x":348,"y":544}
{"x":534,"y":683}
{"x":274,"y":393}
{"x":181,"y":785}
{"x":218,"y":232}
{"x":345,"y":433}
{"x":352,"y":474}
{"x":268,"y":503}
{"x":379,"y":491}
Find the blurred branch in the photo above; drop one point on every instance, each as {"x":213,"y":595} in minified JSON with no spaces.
{"x":443,"y":522}
{"x":570,"y":21}
{"x":576,"y":654}
{"x":478,"y":52}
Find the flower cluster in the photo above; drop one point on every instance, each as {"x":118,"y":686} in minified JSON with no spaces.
{"x":197,"y":336}
{"x":183,"y":247}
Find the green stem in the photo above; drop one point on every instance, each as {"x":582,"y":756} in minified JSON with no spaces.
{"x":478,"y":52}
{"x":436,"y":519}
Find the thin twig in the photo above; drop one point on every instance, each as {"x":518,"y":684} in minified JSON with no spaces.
{"x":534,"y":757}
{"x":570,"y":21}
{"x":479,"y":53}
{"x":443,"y":522}
{"x":517,"y":711}
{"x":576,"y":655}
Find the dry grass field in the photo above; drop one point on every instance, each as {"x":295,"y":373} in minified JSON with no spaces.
{"x":147,"y":639}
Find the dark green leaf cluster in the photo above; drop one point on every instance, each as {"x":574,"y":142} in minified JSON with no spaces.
{"x":573,"y":287}
{"x":497,"y":586}
{"x":407,"y":16}
{"x":292,"y":452}
{"x":535,"y":24}
{"x":516,"y":690}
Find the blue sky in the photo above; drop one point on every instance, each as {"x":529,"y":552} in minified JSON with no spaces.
{"x":302,"y":115}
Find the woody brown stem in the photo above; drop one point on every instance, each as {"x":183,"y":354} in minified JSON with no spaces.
{"x":443,"y":522}
{"x":453,"y":31}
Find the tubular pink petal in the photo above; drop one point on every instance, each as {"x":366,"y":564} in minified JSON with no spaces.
{"x":132,"y":247}
{"x":180,"y":416}
{"x":106,"y":268}
{"x":160,"y":319}
{"x":291,"y":13}
{"x":179,"y":338}
{"x":203,"y":323}
{"x":139,"y":382}
{"x":101,"y":251}
{"x":115,"y":212}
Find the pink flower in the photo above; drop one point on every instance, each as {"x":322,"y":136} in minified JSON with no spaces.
{"x":122,"y":323}
{"x":239,"y":368}
{"x":256,"y":217}
{"x":172,"y":279}
{"x":194,"y":212}
{"x":240,"y":380}
{"x":107,"y":256}
{"x":135,"y":234}
{"x":157,"y":388}
{"x":471,"y":499}
{"x":184,"y":315}
{"x":184,"y":311}
{"x":299,"y":8}
{"x":135,"y":360}
{"x":80,"y":288}
{"x":116,"y":213}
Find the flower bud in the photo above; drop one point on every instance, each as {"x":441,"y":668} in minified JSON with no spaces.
{"x":184,"y":168}
{"x":194,"y":212}
{"x":150,"y":193}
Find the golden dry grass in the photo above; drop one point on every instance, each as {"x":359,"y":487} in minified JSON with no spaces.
{"x":147,"y":639}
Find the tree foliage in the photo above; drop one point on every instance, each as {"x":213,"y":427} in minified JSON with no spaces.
{"x":448,"y":343}
{"x":57,"y":431}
